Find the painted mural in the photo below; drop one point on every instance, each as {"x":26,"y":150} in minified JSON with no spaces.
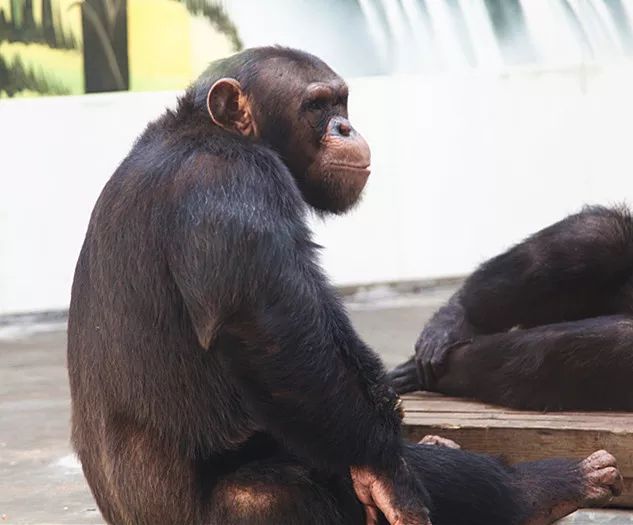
{"x":67,"y":47}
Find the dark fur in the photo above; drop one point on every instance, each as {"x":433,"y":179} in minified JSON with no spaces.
{"x":546,"y":325}
{"x":214,"y":373}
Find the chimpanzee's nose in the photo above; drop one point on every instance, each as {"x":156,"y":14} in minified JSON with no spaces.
{"x":340,"y":126}
{"x":344,"y":128}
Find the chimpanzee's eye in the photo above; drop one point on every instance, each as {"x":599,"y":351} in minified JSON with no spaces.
{"x":341,"y":100}
{"x":317,"y":104}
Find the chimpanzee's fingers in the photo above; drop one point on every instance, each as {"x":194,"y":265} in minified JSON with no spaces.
{"x":371,"y":515}
{"x":404,"y":378}
{"x":400,"y":385}
{"x":401,"y":370}
{"x":428,"y":375}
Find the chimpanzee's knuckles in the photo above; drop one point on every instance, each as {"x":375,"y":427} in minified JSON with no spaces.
{"x":438,"y":360}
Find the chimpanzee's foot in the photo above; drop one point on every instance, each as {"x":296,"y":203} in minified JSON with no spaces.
{"x":404,"y":378}
{"x":600,"y":482}
{"x":439,"y":441}
{"x":603,"y":479}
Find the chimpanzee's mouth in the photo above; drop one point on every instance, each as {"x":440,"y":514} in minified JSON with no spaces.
{"x":356,"y":168}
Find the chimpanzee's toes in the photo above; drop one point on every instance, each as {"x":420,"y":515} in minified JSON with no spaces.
{"x":404,"y":378}
{"x":603,"y":480}
{"x":439,"y":441}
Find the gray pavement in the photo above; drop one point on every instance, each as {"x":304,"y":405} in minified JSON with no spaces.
{"x":40,"y":479}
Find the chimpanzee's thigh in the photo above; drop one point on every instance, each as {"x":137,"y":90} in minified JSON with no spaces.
{"x":282,"y":491}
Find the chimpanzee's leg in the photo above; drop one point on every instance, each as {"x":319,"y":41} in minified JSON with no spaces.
{"x":465,"y":489}
{"x":584,"y":365}
{"x":280,"y":491}
{"x":473,"y":489}
{"x":137,"y":480}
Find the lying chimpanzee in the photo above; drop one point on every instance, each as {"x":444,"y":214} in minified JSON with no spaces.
{"x":215,"y":376}
{"x":547,"y":325}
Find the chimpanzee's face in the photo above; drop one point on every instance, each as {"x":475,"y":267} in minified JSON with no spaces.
{"x":299,"y":108}
{"x":304,"y":117}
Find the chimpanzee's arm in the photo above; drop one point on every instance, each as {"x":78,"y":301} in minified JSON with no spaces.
{"x":569,"y":270}
{"x":243,"y":260}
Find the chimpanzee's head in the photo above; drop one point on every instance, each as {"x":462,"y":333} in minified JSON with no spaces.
{"x":293,"y":102}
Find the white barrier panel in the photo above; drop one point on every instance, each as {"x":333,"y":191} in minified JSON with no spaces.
{"x":463,"y":166}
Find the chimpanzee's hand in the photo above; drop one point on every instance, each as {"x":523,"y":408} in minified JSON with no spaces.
{"x":448,"y":328}
{"x":404,"y":378}
{"x":401,"y":502}
{"x":434,"y":346}
{"x":422,"y":371}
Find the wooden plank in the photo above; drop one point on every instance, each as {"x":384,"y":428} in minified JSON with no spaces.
{"x":598,"y":517}
{"x":523,"y":436}
{"x":447,"y":410}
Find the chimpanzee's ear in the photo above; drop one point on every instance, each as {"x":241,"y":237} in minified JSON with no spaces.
{"x":230,"y":108}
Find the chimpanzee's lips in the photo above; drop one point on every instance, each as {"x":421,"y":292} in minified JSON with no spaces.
{"x":363,"y":169}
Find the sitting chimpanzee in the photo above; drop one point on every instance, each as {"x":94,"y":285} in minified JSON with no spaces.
{"x":215,"y":376}
{"x":546,"y":325}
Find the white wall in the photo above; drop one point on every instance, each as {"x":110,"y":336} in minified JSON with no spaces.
{"x":463,"y":166}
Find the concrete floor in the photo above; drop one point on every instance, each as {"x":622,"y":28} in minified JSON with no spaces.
{"x":41,"y":481}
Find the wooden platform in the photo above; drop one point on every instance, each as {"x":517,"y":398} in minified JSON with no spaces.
{"x":524,"y":436}
{"x":598,"y":517}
